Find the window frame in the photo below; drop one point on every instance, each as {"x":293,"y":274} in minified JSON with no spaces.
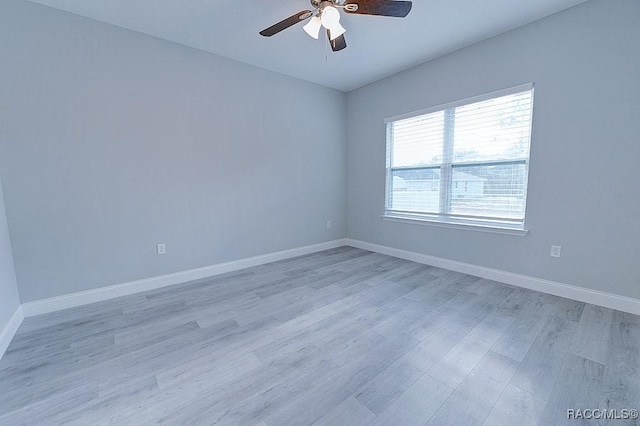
{"x":487,"y":224}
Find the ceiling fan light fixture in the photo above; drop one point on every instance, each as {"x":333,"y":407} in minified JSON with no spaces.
{"x":330,"y":17}
{"x":336,"y":31}
{"x":313,"y":27}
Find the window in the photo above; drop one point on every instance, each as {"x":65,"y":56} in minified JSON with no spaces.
{"x":462,"y":163}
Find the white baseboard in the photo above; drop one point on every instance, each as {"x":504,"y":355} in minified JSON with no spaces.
{"x":10,"y":330}
{"x":595,"y":297}
{"x":613,"y":301}
{"x":104,"y":293}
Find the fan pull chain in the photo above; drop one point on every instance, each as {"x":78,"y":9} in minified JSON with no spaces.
{"x":326,"y":52}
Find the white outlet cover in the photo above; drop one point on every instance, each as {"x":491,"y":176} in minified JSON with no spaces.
{"x":161,"y":248}
{"x":555,"y":251}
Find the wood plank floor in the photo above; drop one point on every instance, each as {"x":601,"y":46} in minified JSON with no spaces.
{"x":340,"y":337}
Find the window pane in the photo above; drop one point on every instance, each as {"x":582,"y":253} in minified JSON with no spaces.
{"x":492,"y":191}
{"x":417,"y":141}
{"x":496,"y":129}
{"x":467,"y":162}
{"x":415,"y":190}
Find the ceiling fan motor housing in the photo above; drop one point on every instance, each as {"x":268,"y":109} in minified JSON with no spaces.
{"x":339,"y":3}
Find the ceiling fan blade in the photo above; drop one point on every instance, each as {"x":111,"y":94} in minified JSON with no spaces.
{"x":286,"y":23}
{"x":397,"y":9}
{"x":338,"y":43}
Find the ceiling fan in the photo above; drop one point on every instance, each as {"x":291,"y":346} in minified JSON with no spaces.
{"x":326,"y":14}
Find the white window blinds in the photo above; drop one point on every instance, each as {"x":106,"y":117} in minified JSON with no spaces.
{"x":462,"y":162}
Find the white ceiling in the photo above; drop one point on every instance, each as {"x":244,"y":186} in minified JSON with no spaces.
{"x":377,"y":46}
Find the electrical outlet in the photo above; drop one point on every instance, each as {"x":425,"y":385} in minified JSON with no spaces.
{"x":555,"y":251}
{"x":161,"y":248}
{"x":328,"y":224}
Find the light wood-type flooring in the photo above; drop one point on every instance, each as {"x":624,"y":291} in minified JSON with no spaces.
{"x":339,"y":337}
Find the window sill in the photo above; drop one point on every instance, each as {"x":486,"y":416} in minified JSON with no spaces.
{"x":491,"y":228}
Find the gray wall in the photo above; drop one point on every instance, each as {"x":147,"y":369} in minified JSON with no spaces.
{"x":584,"y":170}
{"x":9,"y":298}
{"x":112,"y":141}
